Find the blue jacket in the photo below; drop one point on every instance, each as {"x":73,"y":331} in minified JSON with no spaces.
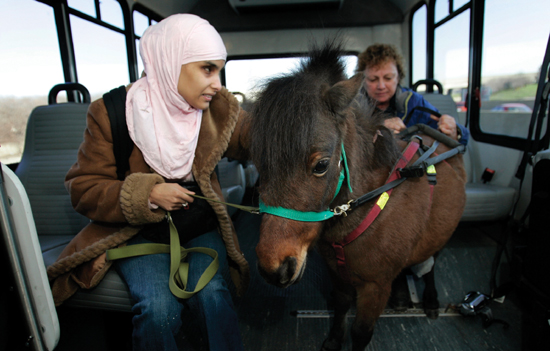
{"x":406,"y":100}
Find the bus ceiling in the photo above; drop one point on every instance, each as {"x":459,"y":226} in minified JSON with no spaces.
{"x":248,"y":15}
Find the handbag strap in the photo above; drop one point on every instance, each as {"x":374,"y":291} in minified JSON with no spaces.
{"x":115,"y":103}
{"x":179,"y":267}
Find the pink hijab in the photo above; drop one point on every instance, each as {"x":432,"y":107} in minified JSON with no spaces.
{"x":160,"y":122}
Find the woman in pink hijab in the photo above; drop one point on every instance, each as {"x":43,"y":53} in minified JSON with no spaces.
{"x":182,"y":122}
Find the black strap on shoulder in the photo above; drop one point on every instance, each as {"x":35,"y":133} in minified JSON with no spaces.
{"x":423,"y":109}
{"x":115,"y":102}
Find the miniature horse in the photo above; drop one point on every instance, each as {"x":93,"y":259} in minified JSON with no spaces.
{"x":298,"y":126}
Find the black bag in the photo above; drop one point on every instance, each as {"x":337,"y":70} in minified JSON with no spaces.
{"x":198,"y":219}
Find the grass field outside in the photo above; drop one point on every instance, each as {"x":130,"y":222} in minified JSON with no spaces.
{"x":14,"y":113}
{"x":527,"y":92}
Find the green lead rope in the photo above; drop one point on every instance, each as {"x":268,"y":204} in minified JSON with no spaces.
{"x":250,"y":209}
{"x":179,"y":268}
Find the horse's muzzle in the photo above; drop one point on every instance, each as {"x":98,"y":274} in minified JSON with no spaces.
{"x":285,"y":275}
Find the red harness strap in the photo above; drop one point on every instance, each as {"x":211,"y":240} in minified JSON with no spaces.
{"x":409,"y":152}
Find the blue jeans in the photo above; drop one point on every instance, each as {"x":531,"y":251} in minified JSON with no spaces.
{"x":158,"y":313}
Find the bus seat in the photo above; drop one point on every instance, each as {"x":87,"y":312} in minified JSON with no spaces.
{"x":484,"y":202}
{"x":23,"y":247}
{"x":54,"y":134}
{"x":251,"y":175}
{"x":233,"y":182}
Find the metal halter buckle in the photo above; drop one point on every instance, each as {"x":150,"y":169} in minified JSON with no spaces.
{"x":342,"y":209}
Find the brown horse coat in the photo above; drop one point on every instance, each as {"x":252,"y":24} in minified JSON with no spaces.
{"x":299,"y":124}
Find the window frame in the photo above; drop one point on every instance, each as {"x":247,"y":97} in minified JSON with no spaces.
{"x":62,"y":13}
{"x":477,"y":15}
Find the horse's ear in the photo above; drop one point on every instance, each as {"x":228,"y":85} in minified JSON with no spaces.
{"x":341,"y":94}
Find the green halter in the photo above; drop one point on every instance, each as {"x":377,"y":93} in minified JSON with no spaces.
{"x":311,"y":216}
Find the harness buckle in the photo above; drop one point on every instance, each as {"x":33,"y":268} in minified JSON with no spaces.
{"x":342,"y":209}
{"x":431,"y":173}
{"x":412,"y":171}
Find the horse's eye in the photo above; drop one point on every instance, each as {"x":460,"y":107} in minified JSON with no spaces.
{"x":321,"y":167}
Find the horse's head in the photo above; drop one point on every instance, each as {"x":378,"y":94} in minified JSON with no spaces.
{"x":297,"y":132}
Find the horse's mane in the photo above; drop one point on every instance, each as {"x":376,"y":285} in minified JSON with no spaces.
{"x":283,"y":117}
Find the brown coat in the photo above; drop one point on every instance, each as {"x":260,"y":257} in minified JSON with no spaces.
{"x":92,"y":181}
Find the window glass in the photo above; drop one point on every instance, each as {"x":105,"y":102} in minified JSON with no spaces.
{"x":459,"y":3}
{"x":451,"y":56}
{"x":100,"y":54}
{"x":141,"y":22}
{"x":247,"y":76}
{"x":30,"y":65}
{"x":140,"y":61}
{"x":512,"y":59}
{"x":111,"y":13}
{"x":84,"y":6}
{"x":419,"y":35}
{"x":441,"y":10}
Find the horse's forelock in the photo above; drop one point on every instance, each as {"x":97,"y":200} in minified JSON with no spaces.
{"x":282,"y":125}
{"x":285,"y":113}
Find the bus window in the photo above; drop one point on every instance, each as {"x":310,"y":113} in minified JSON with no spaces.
{"x":111,"y":13}
{"x":514,"y":43}
{"x":459,"y":3}
{"x":246,"y":76}
{"x":451,"y":56}
{"x":84,"y":6}
{"x":419,"y":35}
{"x":100,"y":53}
{"x":100,"y":56}
{"x":141,"y":23}
{"x":441,"y":10}
{"x":30,"y":65}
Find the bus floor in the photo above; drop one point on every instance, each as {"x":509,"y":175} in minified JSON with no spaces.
{"x":298,"y":318}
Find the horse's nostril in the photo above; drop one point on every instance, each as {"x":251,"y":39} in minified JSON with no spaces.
{"x":286,"y":270}
{"x":282,"y":277}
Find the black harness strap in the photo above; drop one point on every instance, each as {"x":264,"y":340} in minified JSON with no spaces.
{"x":423,"y":109}
{"x":115,"y":102}
{"x":421,"y":164}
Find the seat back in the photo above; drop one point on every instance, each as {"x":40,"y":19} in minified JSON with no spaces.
{"x":484,"y":202}
{"x":444,"y":103}
{"x":19,"y":234}
{"x":232,"y":181}
{"x":54,"y":133}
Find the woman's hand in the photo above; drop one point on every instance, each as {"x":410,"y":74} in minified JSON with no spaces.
{"x":170,"y":196}
{"x":395,"y":124}
{"x":447,"y":125}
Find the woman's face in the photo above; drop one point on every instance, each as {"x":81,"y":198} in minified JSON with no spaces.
{"x":199,"y":82}
{"x":381,"y":82}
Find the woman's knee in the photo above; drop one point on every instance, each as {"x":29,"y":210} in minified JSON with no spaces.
{"x":159,"y":313}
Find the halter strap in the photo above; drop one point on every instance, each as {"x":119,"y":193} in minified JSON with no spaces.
{"x":312,"y":216}
{"x":373,"y":213}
